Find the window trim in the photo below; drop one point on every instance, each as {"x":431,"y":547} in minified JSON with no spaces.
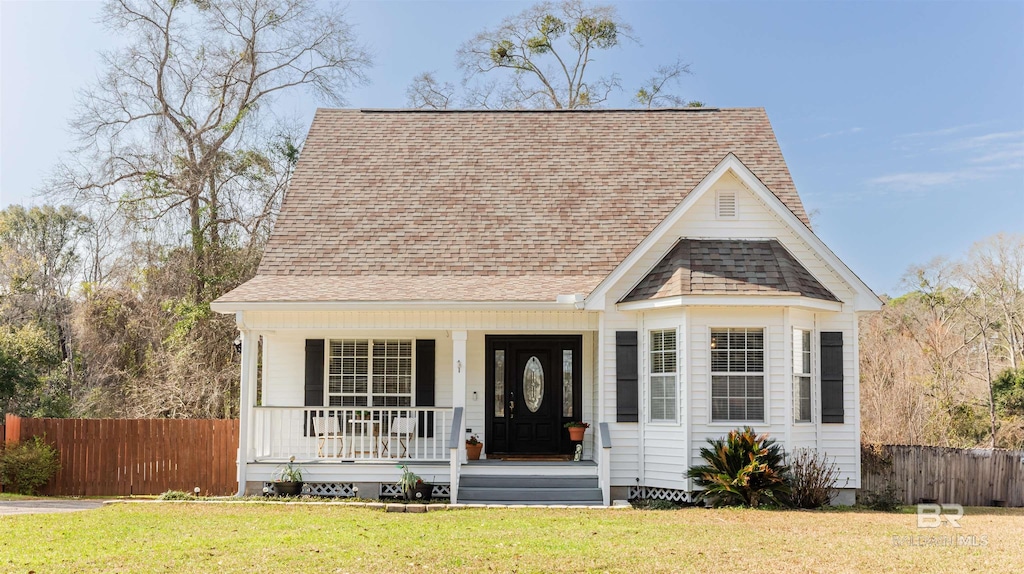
{"x":649,"y":374}
{"x":369,"y":372}
{"x":765,"y":387}
{"x":809,"y":374}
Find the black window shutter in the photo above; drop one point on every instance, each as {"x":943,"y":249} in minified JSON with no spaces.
{"x":425,"y":362}
{"x":626,"y":377}
{"x":314,"y":372}
{"x":832,"y":377}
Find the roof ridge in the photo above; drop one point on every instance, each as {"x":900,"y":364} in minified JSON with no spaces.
{"x":543,"y":111}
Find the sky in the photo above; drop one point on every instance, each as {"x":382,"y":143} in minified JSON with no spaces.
{"x":902,"y":123}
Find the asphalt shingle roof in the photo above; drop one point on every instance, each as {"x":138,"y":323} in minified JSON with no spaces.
{"x":529,"y":203}
{"x":728,"y":267}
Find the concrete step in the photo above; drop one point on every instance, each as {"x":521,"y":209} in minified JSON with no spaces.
{"x":530,"y":489}
{"x":534,"y":502}
{"x":547,"y":495}
{"x":516,"y":482}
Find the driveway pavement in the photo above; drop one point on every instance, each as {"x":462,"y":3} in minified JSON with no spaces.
{"x":11,"y":507}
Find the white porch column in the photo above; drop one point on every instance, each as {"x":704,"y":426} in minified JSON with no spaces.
{"x":246,"y":399}
{"x":459,"y":383}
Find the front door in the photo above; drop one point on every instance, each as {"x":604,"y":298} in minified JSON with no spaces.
{"x":534,"y":387}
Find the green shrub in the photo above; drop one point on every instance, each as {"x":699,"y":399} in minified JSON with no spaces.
{"x":743,"y":469}
{"x":27,"y":465}
{"x":655,"y":504}
{"x":812,"y":479}
{"x":885,"y":499}
{"x":177,"y":495}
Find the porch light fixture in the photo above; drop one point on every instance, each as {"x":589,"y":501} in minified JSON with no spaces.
{"x":238,"y":344}
{"x":458,"y":366}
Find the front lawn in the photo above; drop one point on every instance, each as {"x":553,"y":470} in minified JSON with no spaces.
{"x":223,"y":538}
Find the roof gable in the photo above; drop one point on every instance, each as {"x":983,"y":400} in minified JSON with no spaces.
{"x":663,"y":238}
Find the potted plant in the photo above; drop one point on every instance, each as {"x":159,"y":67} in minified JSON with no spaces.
{"x":413,"y":486}
{"x":288,"y":479}
{"x":576,"y":430}
{"x":473,"y":447}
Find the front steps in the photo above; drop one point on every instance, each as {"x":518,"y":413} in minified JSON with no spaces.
{"x":530,"y":489}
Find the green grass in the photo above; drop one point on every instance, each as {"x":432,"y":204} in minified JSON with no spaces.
{"x":188,"y":537}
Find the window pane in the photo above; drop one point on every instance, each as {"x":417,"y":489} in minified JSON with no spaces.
{"x":719,"y":386}
{"x":499,"y":383}
{"x":720,"y":409}
{"x":806,"y":358}
{"x":720,"y":360}
{"x":533,"y":384}
{"x":737,"y":397}
{"x":755,"y":361}
{"x":663,"y":369}
{"x":755,"y":409}
{"x":567,"y":383}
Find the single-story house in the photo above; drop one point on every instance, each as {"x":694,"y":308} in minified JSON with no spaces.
{"x":435,"y":275}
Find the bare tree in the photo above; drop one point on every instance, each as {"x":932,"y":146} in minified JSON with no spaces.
{"x":175,"y":130}
{"x":545,"y":51}
{"x":426,"y":92}
{"x":654,"y":93}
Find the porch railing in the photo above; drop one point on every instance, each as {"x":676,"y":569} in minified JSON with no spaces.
{"x":351,"y":433}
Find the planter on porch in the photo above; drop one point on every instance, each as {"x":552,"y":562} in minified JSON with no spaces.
{"x":473,"y":448}
{"x":288,"y":488}
{"x":577,"y":430}
{"x":421,"y":493}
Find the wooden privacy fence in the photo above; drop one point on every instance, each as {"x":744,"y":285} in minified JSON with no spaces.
{"x":120,"y":457}
{"x":972,"y":477}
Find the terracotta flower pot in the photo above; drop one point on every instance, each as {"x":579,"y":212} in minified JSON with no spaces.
{"x":473,"y":450}
{"x":576,"y":433}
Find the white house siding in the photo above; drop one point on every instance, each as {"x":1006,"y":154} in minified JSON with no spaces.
{"x":842,"y":441}
{"x":664,"y":443}
{"x":777,"y":383}
{"x":625,"y":459}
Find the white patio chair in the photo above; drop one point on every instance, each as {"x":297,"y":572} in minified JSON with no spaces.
{"x":327,"y":429}
{"x":402,"y":429}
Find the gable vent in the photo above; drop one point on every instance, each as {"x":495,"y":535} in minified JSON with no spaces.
{"x":727,"y":204}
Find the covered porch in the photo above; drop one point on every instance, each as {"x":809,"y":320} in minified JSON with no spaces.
{"x":380,"y":397}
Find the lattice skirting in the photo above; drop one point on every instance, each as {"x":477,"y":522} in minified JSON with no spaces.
{"x":652,"y":493}
{"x":389,"y":490}
{"x":325,"y":489}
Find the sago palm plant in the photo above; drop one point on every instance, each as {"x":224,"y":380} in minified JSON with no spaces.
{"x":743,"y":469}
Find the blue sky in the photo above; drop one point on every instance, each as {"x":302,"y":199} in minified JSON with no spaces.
{"x":902,"y":122}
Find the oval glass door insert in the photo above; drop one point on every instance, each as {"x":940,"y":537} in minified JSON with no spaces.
{"x":533,"y":384}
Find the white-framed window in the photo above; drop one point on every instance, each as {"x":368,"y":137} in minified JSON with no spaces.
{"x":363,"y":373}
{"x":737,"y":374}
{"x":801,"y":375}
{"x":663,"y":375}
